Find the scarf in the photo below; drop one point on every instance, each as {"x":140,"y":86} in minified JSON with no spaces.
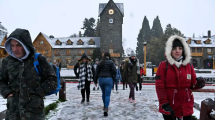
{"x":82,"y":75}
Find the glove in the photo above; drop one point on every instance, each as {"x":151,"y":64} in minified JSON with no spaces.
{"x":200,"y":82}
{"x":167,"y":110}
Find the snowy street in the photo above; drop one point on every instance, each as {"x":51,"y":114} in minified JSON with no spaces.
{"x":119,"y":109}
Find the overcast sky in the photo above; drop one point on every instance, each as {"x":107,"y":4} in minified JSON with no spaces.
{"x":62,"y":18}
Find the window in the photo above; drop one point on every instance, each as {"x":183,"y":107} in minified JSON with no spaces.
{"x":91,"y":42}
{"x":193,"y":50}
{"x":58,"y":42}
{"x":41,"y":42}
{"x":209,"y":50}
{"x":110,"y":50}
{"x":68,"y":52}
{"x":57,"y":52}
{"x":69,"y":42}
{"x":110,"y":20}
{"x":68,"y":60}
{"x":91,"y":51}
{"x":80,"y":42}
{"x":46,"y":52}
{"x":199,"y":50}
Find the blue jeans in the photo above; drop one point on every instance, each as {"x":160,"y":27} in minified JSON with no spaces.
{"x":116,"y":83}
{"x":106,"y":85}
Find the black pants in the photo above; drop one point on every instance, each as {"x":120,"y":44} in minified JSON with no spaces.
{"x":140,"y":85}
{"x":168,"y":117}
{"x":124,"y":84}
{"x":87,"y":89}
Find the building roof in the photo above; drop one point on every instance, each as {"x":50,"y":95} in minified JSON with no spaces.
{"x":120,"y":6}
{"x":2,"y":28}
{"x":202,"y":44}
{"x":52,"y":42}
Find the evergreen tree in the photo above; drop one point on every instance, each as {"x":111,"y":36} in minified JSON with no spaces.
{"x":97,"y":29}
{"x":157,"y":30}
{"x":143,"y":36}
{"x":88,"y":27}
{"x":97,"y":54}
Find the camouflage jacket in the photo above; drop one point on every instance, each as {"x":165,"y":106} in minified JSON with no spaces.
{"x":28,"y":88}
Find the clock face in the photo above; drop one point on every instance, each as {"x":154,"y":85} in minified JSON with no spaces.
{"x":111,"y":11}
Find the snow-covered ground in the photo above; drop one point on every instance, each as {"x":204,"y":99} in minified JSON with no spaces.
{"x":119,"y":109}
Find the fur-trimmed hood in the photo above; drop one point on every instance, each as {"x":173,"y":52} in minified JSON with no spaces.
{"x":186,"y":48}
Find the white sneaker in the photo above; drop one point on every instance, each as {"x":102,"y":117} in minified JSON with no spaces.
{"x":140,"y":93}
{"x":117,"y":91}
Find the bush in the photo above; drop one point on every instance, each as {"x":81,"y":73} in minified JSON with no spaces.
{"x":194,"y":118}
{"x":52,"y":106}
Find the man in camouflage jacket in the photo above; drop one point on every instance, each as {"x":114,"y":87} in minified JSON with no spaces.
{"x":20,"y":84}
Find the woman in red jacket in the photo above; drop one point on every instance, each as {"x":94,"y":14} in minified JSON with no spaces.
{"x":174,"y":80}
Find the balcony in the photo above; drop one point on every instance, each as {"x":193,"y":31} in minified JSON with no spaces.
{"x":196,"y":54}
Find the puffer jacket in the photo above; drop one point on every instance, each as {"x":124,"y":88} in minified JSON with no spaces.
{"x":174,"y":81}
{"x":19,"y":77}
{"x":107,"y":69}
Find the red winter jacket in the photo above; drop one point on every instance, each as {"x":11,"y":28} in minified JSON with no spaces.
{"x":173,"y":85}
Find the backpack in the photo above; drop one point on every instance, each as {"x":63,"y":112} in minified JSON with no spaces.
{"x":55,"y":68}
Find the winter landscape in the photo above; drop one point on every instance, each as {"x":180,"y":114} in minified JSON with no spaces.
{"x":120,"y":109}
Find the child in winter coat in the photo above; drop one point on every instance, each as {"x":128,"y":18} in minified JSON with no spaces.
{"x":175,"y":79}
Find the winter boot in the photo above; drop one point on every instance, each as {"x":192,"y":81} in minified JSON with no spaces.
{"x":97,"y":88}
{"x":94,"y":88}
{"x":106,"y":112}
{"x":82,"y":101}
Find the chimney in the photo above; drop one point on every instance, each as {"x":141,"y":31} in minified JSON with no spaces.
{"x":209,"y":33}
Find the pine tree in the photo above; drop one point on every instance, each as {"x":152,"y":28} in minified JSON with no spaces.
{"x":143,"y":36}
{"x":97,"y":29}
{"x":157,"y":30}
{"x":97,"y":54}
{"x":88,"y":27}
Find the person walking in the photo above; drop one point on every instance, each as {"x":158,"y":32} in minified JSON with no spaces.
{"x":105,"y":72}
{"x":20,"y":83}
{"x":117,"y":78}
{"x":124,"y":82}
{"x":85,"y":74}
{"x":175,"y":79}
{"x":96,"y":87}
{"x":131,"y":72}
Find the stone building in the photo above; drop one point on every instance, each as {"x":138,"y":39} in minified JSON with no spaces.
{"x":3,"y":37}
{"x":69,"y":49}
{"x":202,"y":51}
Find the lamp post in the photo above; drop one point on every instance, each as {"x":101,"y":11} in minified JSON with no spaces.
{"x":144,"y":49}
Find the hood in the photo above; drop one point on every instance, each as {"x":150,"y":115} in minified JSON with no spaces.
{"x":84,"y":56}
{"x":24,"y":38}
{"x":186,"y":48}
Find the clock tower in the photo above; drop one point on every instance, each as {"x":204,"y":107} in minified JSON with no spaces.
{"x":111,"y":19}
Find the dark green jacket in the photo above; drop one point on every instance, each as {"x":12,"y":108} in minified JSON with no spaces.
{"x":21,"y":79}
{"x":130,"y":75}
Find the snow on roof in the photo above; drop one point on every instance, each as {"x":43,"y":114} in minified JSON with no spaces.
{"x":119,"y":5}
{"x":2,"y":27}
{"x":213,"y":36}
{"x":193,"y":44}
{"x":52,"y":42}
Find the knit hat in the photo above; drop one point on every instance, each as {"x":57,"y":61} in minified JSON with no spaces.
{"x":177,"y":43}
{"x":132,"y":54}
{"x":84,"y":56}
{"x":96,"y":59}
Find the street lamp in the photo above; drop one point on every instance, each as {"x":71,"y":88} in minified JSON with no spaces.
{"x":144,"y":49}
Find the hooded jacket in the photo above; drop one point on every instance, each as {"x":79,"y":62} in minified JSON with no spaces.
{"x":19,"y":77}
{"x":173,"y":85}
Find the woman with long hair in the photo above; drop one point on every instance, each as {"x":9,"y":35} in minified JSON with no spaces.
{"x":105,"y":72}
